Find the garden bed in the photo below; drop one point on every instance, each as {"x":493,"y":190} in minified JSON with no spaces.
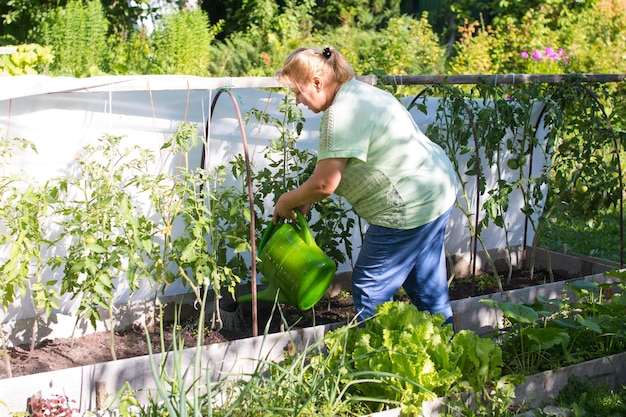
{"x":93,"y":375}
{"x":90,"y":348}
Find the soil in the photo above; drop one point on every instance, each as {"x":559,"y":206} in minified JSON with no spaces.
{"x":93,"y":348}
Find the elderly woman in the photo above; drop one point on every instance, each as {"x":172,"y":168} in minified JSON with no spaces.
{"x":372,"y":153}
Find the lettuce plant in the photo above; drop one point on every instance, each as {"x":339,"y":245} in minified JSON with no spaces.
{"x":410,"y":356}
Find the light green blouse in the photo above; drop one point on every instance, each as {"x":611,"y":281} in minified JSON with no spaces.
{"x":395,"y":177}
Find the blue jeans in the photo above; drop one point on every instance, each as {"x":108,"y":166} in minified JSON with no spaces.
{"x":414,"y":259}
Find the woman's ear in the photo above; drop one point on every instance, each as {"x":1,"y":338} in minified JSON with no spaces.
{"x":317,"y":83}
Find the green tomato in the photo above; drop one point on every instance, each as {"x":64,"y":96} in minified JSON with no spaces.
{"x":581,"y":187}
{"x":512,"y":163}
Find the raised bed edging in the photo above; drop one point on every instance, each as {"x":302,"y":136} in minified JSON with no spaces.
{"x":87,"y":385}
{"x":471,"y":314}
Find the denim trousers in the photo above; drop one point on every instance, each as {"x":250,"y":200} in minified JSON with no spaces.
{"x":393,"y":258}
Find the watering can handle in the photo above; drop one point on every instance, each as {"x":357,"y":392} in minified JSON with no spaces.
{"x":305,"y":232}
{"x":266,"y":236}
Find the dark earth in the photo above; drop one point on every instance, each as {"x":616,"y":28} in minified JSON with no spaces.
{"x":95,"y":347}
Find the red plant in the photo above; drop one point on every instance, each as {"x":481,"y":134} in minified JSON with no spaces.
{"x":56,"y":406}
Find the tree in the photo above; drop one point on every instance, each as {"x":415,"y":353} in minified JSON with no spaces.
{"x":362,"y":14}
{"x":20,"y":18}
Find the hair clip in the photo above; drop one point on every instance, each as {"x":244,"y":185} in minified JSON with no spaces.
{"x":326,"y":52}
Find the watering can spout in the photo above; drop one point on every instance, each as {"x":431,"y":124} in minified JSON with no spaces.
{"x":294,"y":267}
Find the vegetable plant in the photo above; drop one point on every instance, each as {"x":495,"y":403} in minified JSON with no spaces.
{"x":23,"y":208}
{"x":107,"y":235}
{"x":197,"y":251}
{"x":287,"y":168}
{"x":410,"y":356}
{"x":551,"y":333}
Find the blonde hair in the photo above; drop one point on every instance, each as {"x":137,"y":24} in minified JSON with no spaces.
{"x":304,"y":63}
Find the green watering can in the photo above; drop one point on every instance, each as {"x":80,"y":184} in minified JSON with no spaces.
{"x":293,"y":265}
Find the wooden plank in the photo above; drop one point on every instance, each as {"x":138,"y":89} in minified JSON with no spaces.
{"x":498,"y":78}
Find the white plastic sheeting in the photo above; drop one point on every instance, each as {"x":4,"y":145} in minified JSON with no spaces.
{"x":62,"y":115}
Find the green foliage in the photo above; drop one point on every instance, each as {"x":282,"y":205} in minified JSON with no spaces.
{"x":231,"y":205}
{"x":112,"y":242}
{"x":181,"y":43}
{"x":511,"y":10}
{"x":271,"y":34}
{"x":289,"y":30}
{"x":576,"y":163}
{"x":24,"y":237}
{"x":195,"y":198}
{"x":584,"y":398}
{"x":172,"y":397}
{"x":490,"y":132}
{"x":359,"y":14}
{"x":294,"y":386}
{"x":23,"y":207}
{"x":21,"y":19}
{"x":238,"y":56}
{"x":552,"y":333}
{"x":509,"y":47}
{"x":474,"y":51}
{"x":597,"y":235}
{"x":27,"y":59}
{"x":130,"y":55}
{"x":407,"y":46}
{"x":558,"y":37}
{"x":18,"y":20}
{"x":595,"y":39}
{"x":77,"y":34}
{"x":579,"y":181}
{"x":22,"y":210}
{"x":256,"y":35}
{"x":354,"y":44}
{"x":288,"y":167}
{"x":106,"y":233}
{"x":409,"y":356}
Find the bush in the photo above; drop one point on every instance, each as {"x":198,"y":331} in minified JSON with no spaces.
{"x":77,"y":34}
{"x":131,"y":55}
{"x":408,"y":46}
{"x":545,"y":40}
{"x":182,"y":42}
{"x":597,"y":39}
{"x":27,"y":59}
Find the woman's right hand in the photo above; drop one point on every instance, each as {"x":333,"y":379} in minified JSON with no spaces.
{"x":282,"y":210}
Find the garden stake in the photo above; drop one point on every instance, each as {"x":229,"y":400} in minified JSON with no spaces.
{"x":217,"y":310}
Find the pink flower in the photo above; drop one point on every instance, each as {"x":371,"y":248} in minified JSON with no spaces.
{"x":550,"y":53}
{"x":546,"y":53}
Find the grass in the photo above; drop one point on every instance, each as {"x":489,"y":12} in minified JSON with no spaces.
{"x":598,"y":236}
{"x":584,"y":399}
